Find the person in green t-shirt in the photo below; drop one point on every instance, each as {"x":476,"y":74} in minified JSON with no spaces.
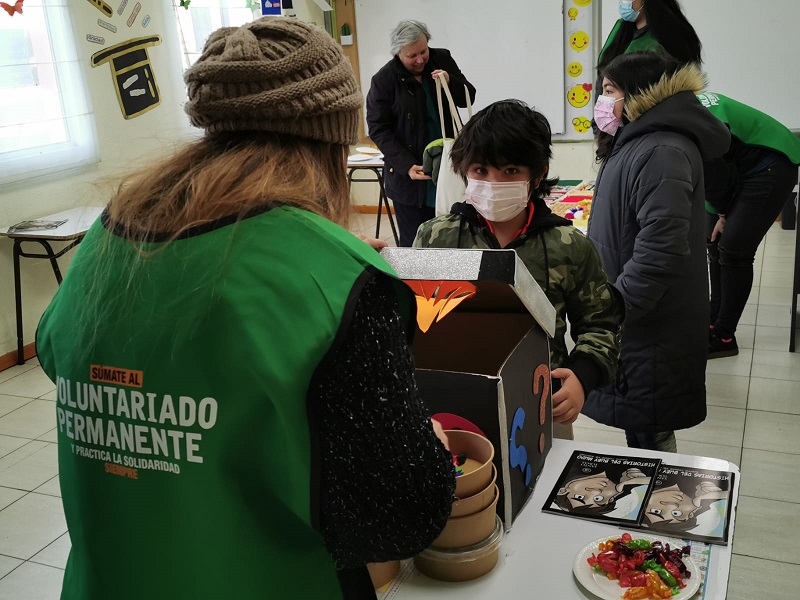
{"x":746,"y":189}
{"x":237,"y":415}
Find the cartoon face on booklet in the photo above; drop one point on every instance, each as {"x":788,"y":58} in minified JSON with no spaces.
{"x":601,"y":487}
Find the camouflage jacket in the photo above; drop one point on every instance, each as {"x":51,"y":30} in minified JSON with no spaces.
{"x":566,"y":266}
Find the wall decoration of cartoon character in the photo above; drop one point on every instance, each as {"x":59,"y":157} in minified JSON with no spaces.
{"x":12,"y":9}
{"x":579,"y":95}
{"x":581,"y":124}
{"x":134,"y":81}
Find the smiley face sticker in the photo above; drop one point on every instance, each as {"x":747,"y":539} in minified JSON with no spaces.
{"x":572,"y":13}
{"x":582,"y":2}
{"x":579,"y":41}
{"x":579,"y":95}
{"x":581,"y":124}
{"x":574,"y":69}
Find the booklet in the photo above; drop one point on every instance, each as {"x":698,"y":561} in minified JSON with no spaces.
{"x":690,"y":503}
{"x":603,"y":487}
{"x":642,"y":493}
{"x":35,"y":225}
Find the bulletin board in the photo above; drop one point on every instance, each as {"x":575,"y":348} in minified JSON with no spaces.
{"x":509,"y":49}
{"x":750,"y":51}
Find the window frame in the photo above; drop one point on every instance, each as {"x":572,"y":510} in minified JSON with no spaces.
{"x":66,"y":126}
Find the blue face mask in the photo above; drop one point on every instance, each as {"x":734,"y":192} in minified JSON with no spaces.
{"x":626,"y":11}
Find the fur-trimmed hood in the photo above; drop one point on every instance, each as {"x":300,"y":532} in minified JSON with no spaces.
{"x":672,"y":105}
{"x":687,"y":79}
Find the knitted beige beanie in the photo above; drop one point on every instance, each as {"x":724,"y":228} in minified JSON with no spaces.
{"x":275,"y":74}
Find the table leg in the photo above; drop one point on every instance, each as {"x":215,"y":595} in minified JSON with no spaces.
{"x":18,"y":303}
{"x":795,"y":281}
{"x":391,"y":221}
{"x":53,"y":258}
{"x":53,"y":262}
{"x":380,"y":210}
{"x":384,"y":199}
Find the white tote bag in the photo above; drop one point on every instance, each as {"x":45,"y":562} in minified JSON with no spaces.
{"x":449,"y":186}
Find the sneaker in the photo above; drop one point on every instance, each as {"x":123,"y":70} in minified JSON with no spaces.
{"x":719,"y":348}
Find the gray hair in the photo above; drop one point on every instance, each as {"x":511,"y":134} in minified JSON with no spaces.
{"x":407,"y":32}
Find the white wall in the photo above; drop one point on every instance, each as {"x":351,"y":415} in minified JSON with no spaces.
{"x":309,"y":11}
{"x":122,"y":145}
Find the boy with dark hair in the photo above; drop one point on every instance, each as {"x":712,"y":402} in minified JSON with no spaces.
{"x":503,"y":153}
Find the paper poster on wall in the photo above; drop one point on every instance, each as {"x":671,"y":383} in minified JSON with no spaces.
{"x":134,"y":80}
{"x":270,"y":7}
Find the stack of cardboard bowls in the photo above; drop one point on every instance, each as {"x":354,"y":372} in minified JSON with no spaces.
{"x":470,"y":542}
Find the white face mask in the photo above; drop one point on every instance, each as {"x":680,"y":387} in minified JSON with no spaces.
{"x":497,"y":201}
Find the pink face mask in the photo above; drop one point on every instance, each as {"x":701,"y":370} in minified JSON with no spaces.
{"x":604,"y":115}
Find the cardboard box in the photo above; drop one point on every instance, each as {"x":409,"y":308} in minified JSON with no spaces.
{"x":482,"y":356}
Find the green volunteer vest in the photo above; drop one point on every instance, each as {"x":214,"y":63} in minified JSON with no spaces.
{"x":185,"y":457}
{"x":752,"y":127}
{"x":644,"y":43}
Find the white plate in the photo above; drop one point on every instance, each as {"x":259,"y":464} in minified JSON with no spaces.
{"x":607,"y":589}
{"x":362,"y":158}
{"x":368,"y":150}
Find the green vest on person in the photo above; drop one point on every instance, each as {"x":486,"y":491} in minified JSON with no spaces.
{"x":752,"y":127}
{"x":186,"y":461}
{"x":644,"y":43}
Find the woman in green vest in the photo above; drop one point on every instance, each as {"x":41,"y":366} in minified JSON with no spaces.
{"x":650,"y":26}
{"x":746,"y":190}
{"x":237,"y":414}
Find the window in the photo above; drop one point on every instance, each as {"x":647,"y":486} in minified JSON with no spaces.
{"x":206,"y":16}
{"x":46,"y":123}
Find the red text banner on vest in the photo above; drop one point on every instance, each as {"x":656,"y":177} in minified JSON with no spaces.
{"x":106,"y":374}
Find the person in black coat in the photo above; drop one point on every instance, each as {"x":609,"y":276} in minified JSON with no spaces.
{"x":648,"y":224}
{"x":403,"y":118}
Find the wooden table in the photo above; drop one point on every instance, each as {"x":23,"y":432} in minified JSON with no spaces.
{"x":375,"y":165}
{"x":78,"y":221}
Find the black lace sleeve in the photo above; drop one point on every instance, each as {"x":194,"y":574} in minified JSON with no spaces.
{"x":387,"y":482}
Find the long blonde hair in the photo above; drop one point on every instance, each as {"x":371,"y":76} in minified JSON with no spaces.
{"x":232,"y":174}
{"x":218,"y":176}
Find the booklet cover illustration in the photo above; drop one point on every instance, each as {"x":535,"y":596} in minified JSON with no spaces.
{"x":690,"y":503}
{"x":601,"y":487}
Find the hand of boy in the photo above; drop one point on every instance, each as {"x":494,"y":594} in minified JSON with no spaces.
{"x":568,"y":401}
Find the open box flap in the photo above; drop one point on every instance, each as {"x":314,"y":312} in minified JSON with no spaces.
{"x":488,"y":267}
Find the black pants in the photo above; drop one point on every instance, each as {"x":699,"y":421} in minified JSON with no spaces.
{"x":409,"y":218}
{"x":730,"y":258}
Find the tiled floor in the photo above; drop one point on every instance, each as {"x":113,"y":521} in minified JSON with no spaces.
{"x":754,"y":421}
